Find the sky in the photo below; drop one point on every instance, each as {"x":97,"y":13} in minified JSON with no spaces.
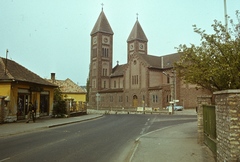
{"x":53,"y":36}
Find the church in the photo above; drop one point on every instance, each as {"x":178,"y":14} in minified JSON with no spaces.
{"x":144,"y":81}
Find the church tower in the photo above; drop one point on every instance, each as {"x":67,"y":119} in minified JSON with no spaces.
{"x":137,"y":41}
{"x":101,"y":56}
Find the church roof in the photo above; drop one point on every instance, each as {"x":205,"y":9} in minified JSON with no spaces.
{"x":10,"y":70}
{"x":118,"y":70}
{"x":137,"y":33}
{"x":155,"y":62}
{"x":152,"y":61}
{"x":170,"y":59}
{"x":102,"y":25}
{"x":160,"y":62}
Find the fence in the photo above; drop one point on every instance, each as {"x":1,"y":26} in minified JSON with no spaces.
{"x":209,"y":127}
{"x":76,"y":106}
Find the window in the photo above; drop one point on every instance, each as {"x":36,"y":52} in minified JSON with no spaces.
{"x":94,"y":72}
{"x":111,"y":98}
{"x":168,"y":79}
{"x":94,"y":52}
{"x":104,"y":72}
{"x":104,"y":84}
{"x":120,"y":99}
{"x":104,"y":52}
{"x":115,"y":84}
{"x":135,"y":79}
{"x":155,"y":98}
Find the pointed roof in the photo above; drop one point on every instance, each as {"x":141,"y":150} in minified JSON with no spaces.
{"x":137,"y":33}
{"x":102,"y":25}
{"x":68,"y":86}
{"x":160,"y":62}
{"x":118,"y":70}
{"x":10,"y":71}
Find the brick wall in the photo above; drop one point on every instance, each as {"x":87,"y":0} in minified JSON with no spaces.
{"x":228,"y":125}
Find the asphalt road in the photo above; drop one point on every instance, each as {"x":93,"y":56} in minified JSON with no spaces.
{"x":107,"y":139}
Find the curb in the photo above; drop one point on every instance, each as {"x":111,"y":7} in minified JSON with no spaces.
{"x":72,"y":122}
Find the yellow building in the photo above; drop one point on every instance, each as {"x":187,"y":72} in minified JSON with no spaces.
{"x":71,"y":92}
{"x":20,"y":86}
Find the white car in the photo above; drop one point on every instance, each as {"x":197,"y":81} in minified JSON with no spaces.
{"x":176,"y":107}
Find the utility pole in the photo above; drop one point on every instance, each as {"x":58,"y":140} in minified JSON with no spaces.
{"x":98,"y":99}
{"x":225,"y":14}
{"x":6,"y":62}
{"x":173,"y":89}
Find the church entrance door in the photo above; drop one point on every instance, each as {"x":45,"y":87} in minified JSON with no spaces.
{"x":135,"y":101}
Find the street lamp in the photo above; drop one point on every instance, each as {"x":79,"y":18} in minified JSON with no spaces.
{"x":97,"y":98}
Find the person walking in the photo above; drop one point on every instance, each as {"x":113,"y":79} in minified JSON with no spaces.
{"x":31,"y":111}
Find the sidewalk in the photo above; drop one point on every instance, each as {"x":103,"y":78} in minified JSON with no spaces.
{"x":175,"y":143}
{"x":8,"y":129}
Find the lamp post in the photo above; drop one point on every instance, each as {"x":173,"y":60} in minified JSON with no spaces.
{"x":225,"y":14}
{"x":97,"y":98}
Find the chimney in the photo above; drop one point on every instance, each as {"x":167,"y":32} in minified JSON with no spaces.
{"x":53,"y":77}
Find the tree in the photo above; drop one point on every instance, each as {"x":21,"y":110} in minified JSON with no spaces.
{"x":215,"y":63}
{"x":59,"y":106}
{"x":88,"y":89}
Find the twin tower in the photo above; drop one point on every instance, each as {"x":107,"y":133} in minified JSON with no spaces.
{"x":102,"y":51}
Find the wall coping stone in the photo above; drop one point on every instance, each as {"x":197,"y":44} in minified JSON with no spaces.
{"x":227,"y":91}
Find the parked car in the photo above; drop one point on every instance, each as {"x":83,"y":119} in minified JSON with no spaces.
{"x":176,"y":107}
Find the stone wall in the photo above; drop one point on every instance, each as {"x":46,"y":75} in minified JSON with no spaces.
{"x":228,"y":125}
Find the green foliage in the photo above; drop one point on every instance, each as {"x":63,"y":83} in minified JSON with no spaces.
{"x":57,"y":95}
{"x":215,"y":64}
{"x":88,"y":89}
{"x":59,"y":106}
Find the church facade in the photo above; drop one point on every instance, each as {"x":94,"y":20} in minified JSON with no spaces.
{"x":144,"y":81}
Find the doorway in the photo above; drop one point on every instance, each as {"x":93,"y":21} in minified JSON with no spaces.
{"x":135,"y":101}
{"x":44,"y":103}
{"x":22,"y":105}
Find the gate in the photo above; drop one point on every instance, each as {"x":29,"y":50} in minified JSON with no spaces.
{"x":209,"y":127}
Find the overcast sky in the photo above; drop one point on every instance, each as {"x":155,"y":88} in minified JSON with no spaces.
{"x":48,"y":36}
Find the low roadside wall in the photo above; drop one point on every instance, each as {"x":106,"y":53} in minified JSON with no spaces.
{"x":227,"y":110}
{"x":125,"y":111}
{"x":228,"y":125}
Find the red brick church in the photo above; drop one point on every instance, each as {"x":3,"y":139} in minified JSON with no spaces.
{"x":145,"y":80}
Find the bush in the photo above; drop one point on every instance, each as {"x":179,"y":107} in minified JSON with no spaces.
{"x":59,"y":108}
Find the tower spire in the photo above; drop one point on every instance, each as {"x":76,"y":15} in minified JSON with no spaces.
{"x":137,"y":15}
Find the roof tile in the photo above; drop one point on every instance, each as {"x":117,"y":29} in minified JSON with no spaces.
{"x":10,"y":70}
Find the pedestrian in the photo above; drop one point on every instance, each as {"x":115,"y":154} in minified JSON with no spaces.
{"x":31,"y":111}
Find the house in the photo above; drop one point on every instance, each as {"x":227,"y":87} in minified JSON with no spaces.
{"x":144,"y":81}
{"x":20,"y":86}
{"x":71,"y":92}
